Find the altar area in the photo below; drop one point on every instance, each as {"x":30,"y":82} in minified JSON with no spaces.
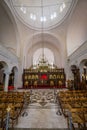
{"x":43,"y":75}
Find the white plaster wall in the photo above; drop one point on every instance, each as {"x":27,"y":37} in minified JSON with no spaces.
{"x":7,"y":31}
{"x":77,"y":30}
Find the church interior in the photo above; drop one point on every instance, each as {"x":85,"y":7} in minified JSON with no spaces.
{"x":43,"y":64}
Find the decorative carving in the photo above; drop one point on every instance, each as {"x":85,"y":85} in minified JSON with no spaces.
{"x":44,"y":76}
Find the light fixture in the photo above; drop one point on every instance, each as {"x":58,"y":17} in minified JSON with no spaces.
{"x":8,"y":108}
{"x":41,"y":19}
{"x":23,"y":9}
{"x":33,"y":16}
{"x":54,"y":15}
{"x":51,"y":16}
{"x":62,"y":7}
{"x":41,"y":59}
{"x":45,"y":19}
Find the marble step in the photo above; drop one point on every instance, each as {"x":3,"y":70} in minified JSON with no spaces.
{"x":38,"y":129}
{"x":42,"y":129}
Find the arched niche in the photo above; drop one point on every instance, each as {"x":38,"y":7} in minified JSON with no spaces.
{"x":13,"y":77}
{"x":3,"y":69}
{"x":83,"y":67}
{"x":83,"y":63}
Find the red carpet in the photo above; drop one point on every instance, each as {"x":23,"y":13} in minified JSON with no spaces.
{"x":38,"y":87}
{"x":44,"y":87}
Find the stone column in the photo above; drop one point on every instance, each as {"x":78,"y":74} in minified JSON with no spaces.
{"x":15,"y":80}
{"x":6,"y":81}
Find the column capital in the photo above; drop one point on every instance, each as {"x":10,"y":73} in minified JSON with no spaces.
{"x":7,"y":72}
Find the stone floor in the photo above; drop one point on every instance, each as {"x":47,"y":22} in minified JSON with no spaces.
{"x":41,"y":113}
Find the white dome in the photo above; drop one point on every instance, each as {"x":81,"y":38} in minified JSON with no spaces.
{"x":42,"y":13}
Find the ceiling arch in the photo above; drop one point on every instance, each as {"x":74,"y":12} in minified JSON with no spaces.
{"x":42,"y":38}
{"x":35,"y":47}
{"x":46,"y":40}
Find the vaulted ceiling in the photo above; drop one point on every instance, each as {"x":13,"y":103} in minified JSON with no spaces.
{"x":28,"y":25}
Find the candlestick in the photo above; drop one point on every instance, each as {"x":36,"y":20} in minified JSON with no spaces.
{"x":8,"y":115}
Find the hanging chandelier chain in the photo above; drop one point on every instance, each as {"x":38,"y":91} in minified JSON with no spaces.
{"x":42,"y":31}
